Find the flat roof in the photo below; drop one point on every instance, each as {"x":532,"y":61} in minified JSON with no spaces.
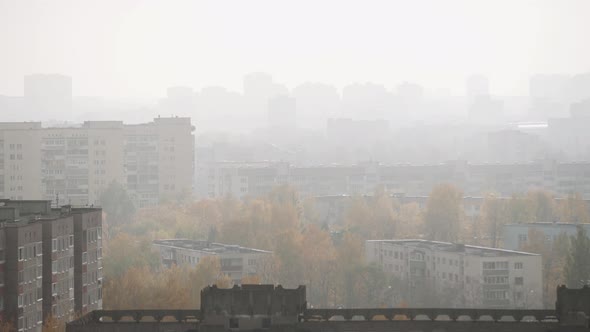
{"x":204,"y":246}
{"x":549,"y":224}
{"x":455,"y":247}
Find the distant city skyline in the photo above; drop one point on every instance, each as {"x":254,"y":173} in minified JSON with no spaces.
{"x":140,"y":48}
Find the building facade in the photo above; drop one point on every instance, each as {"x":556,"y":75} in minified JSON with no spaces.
{"x":236,"y":262}
{"x":468,"y":276}
{"x":74,"y":165}
{"x":514,"y":236}
{"x":41,"y":261}
{"x":218,"y":179}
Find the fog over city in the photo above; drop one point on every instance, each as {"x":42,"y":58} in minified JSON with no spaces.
{"x":393,"y":155}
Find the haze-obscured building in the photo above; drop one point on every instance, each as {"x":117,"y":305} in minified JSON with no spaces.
{"x":48,"y":94}
{"x":515,"y":236}
{"x":220,"y":179}
{"x":74,"y":165}
{"x":469,"y":276}
{"x":236,"y":261}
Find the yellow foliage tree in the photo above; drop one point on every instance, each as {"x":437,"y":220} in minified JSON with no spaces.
{"x":444,"y":213}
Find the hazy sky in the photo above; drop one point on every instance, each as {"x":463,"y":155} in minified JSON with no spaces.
{"x":138,"y":48}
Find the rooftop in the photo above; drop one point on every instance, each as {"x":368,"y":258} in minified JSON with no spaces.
{"x":549,"y":224}
{"x":25,"y":211}
{"x":455,"y":247}
{"x":212,"y":248}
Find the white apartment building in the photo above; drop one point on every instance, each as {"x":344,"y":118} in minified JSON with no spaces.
{"x":246,"y":179}
{"x":476,"y":277}
{"x":74,"y":165}
{"x":236,"y":261}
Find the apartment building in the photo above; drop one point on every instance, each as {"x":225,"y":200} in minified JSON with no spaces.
{"x":87,"y":259}
{"x":74,"y":165}
{"x":236,"y":261}
{"x":218,"y":179}
{"x":238,"y":179}
{"x":41,"y":259}
{"x":469,"y":276}
{"x":58,"y":266}
{"x":22,"y":292}
{"x":159,"y":160}
{"x":515,"y":236}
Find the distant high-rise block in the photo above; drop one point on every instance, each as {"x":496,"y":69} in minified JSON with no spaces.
{"x":282,"y":112}
{"x":477,"y":86}
{"x":49,"y":94}
{"x":74,"y":165}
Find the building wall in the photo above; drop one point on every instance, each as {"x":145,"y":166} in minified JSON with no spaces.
{"x":74,"y":165}
{"x":88,"y":260}
{"x":23,"y":298}
{"x":39,"y":247}
{"x":218,"y":179}
{"x":234,"y":264}
{"x":489,"y":281}
{"x":516,"y":235}
{"x":20,"y":164}
{"x":58,"y":268}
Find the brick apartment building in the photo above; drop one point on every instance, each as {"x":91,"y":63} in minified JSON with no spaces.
{"x":44,"y":263}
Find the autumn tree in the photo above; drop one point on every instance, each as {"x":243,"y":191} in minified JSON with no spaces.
{"x":444,"y":213}
{"x":117,"y":204}
{"x":542,"y":205}
{"x":573,"y":209}
{"x":126,"y":251}
{"x":52,"y":324}
{"x":291,"y":261}
{"x":493,"y":217}
{"x":409,"y":221}
{"x":553,"y":254}
{"x":373,"y":217}
{"x":175,"y":288}
{"x":319,"y":268}
{"x":6,"y":326}
{"x":577,"y":267}
{"x":350,"y":258}
{"x":384,"y":216}
{"x":519,"y":209}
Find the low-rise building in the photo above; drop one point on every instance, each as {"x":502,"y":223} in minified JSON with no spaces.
{"x":516,"y":235}
{"x":468,"y":276}
{"x":236,"y":261}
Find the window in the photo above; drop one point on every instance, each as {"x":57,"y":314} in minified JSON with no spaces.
{"x":84,"y":257}
{"x":54,"y":245}
{"x":71,"y":240}
{"x":21,"y":253}
{"x":518,"y":266}
{"x":518,"y":280}
{"x":20,"y":300}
